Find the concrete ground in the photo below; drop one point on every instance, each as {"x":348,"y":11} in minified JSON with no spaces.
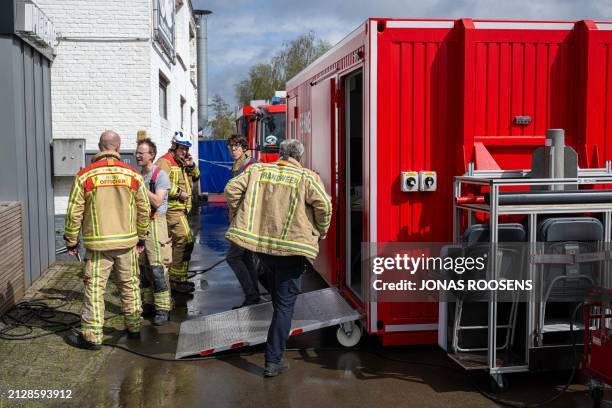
{"x":321,"y":374}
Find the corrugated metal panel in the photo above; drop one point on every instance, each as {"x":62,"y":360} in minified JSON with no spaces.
{"x":12,"y":279}
{"x":606,"y":50}
{"x":415,"y":92}
{"x":523,"y":79}
{"x":414,"y":118}
{"x":25,"y":113}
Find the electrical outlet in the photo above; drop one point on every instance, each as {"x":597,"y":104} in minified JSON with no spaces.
{"x":428,"y":181}
{"x":410,"y":181}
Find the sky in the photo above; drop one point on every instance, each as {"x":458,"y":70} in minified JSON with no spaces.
{"x":243,"y":33}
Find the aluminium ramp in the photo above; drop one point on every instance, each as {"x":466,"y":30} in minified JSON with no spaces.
{"x":248,"y":325}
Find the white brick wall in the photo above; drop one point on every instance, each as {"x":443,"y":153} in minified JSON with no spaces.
{"x":161,"y":130}
{"x":99,"y":84}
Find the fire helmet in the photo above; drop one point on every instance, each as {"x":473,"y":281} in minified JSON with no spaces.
{"x":181,"y":138}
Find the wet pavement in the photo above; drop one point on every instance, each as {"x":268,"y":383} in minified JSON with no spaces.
{"x":321,"y":374}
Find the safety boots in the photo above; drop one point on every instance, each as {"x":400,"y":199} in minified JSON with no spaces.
{"x":182,"y":287}
{"x":161,"y":318}
{"x":77,"y":340}
{"x":274,"y":369}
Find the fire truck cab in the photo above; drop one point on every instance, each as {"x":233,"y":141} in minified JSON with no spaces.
{"x":263,"y":124}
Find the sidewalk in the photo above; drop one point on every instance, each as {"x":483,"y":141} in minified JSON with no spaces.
{"x":48,"y":363}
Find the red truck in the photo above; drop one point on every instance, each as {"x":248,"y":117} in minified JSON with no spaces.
{"x":264,"y":128}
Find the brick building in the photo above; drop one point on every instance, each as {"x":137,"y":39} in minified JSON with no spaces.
{"x":122,"y":65}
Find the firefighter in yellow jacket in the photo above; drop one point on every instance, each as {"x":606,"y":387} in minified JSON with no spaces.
{"x":108,"y":205}
{"x":183,"y":172}
{"x":280,"y":211}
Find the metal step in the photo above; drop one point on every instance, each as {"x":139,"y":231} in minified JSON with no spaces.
{"x":248,"y":326}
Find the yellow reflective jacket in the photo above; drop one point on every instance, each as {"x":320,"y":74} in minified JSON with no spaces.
{"x":108,"y":204}
{"x":278,"y":209}
{"x":181,"y":180}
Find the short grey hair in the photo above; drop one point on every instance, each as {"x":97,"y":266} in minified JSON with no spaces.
{"x":291,"y":148}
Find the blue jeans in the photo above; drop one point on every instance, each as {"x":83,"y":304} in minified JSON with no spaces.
{"x":284,"y":275}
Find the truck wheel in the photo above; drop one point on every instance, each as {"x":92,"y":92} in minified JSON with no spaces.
{"x":349,"y":334}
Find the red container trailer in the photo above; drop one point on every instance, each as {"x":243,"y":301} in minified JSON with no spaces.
{"x":400,"y":95}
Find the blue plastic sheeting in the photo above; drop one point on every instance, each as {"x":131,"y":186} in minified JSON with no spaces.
{"x":215,"y":165}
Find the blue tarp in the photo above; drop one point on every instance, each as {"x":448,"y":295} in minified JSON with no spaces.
{"x":215,"y":165}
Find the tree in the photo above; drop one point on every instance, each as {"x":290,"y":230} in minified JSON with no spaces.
{"x":297,"y":55}
{"x":261,"y":84}
{"x":223,"y":123}
{"x":265,"y":78}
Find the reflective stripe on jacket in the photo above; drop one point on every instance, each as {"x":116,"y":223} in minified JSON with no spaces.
{"x":181,"y":180}
{"x":278,"y":209}
{"x":108,"y":204}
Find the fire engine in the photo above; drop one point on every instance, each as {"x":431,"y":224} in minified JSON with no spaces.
{"x":263,"y":124}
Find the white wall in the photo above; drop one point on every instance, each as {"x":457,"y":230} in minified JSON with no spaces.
{"x":106,"y":74}
{"x":162,"y":129}
{"x":98,"y":85}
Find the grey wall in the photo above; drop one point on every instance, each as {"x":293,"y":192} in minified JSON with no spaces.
{"x":25,"y":155}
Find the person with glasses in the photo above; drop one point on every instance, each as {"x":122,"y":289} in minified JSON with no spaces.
{"x":158,"y":252}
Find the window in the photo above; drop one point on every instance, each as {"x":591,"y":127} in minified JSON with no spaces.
{"x":183,"y":101}
{"x":193,"y":132}
{"x":163,"y":96}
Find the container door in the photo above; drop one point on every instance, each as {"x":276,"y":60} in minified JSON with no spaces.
{"x":352,"y":95}
{"x":291,"y":118}
{"x":323,"y":161}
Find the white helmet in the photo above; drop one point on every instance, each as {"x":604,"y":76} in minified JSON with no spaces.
{"x":181,"y":138}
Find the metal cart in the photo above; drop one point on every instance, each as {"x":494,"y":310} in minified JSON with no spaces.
{"x":535,"y":354}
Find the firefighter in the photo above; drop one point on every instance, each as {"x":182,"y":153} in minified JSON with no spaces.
{"x":158,"y":252}
{"x":108,"y":205}
{"x":179,"y":164}
{"x":280,"y":211}
{"x":239,"y":259}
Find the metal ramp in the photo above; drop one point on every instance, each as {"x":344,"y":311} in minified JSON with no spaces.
{"x":248,"y":326}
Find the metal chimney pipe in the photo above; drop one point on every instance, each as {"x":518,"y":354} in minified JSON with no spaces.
{"x":555,"y":138}
{"x":202,"y":66}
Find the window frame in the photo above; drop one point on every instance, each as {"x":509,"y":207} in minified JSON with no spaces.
{"x":164,"y":85}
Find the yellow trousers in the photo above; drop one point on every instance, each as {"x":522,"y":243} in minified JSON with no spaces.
{"x":182,"y":244}
{"x":153,"y":265}
{"x":98,"y":267}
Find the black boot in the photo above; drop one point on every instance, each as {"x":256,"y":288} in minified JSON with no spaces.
{"x":148,"y":310}
{"x":77,"y":340}
{"x":133,"y":335}
{"x":274,"y":369}
{"x":161,"y":318}
{"x":182,"y":287}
